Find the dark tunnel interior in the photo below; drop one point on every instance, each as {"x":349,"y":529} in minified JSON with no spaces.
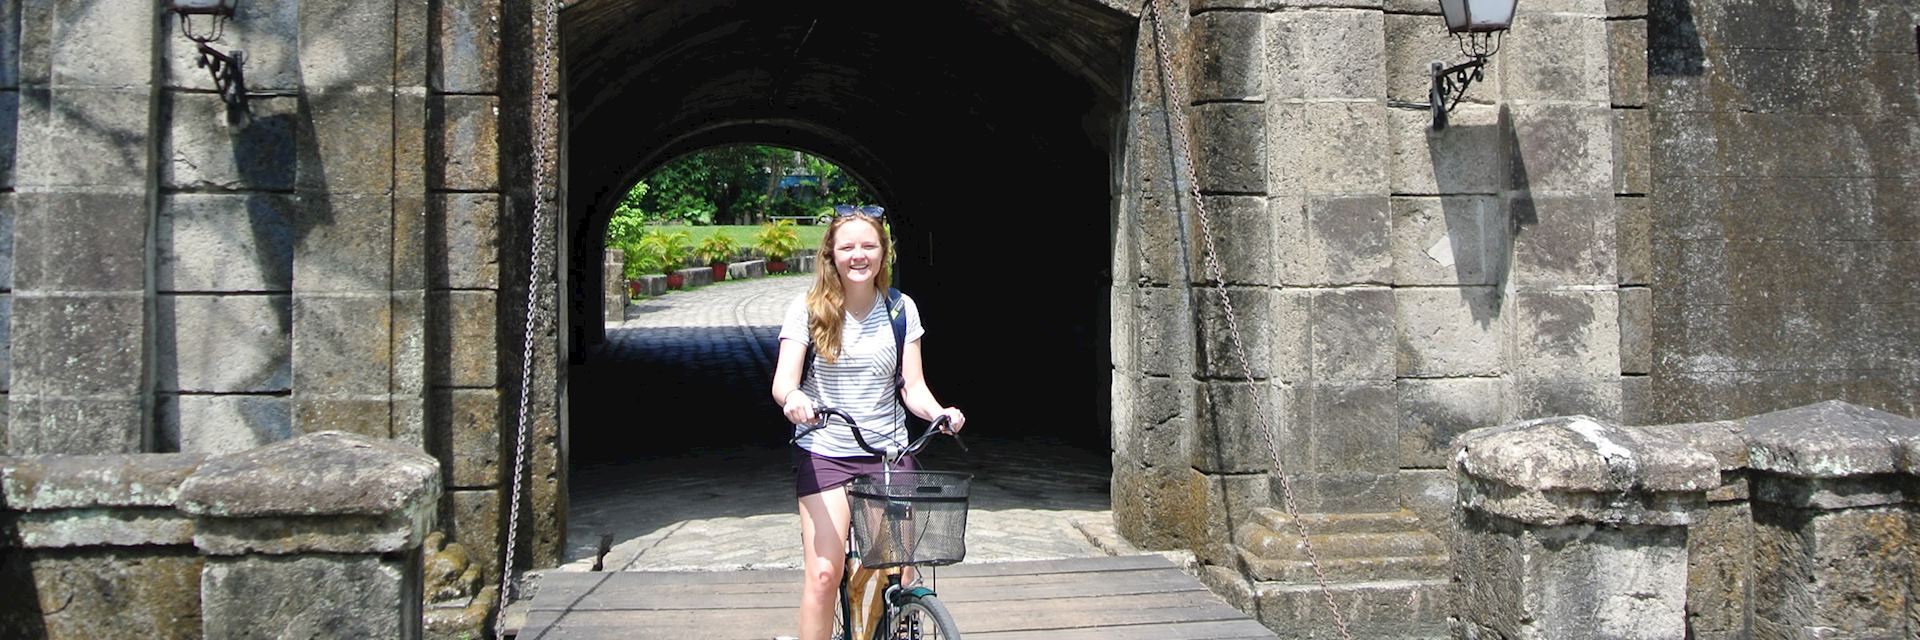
{"x":987,"y":128}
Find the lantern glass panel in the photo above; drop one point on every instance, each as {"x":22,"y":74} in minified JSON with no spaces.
{"x":1477,"y":15}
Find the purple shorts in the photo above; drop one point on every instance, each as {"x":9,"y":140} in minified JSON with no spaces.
{"x":814,"y":473}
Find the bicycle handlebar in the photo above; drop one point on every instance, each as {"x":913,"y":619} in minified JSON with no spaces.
{"x":938,"y":426}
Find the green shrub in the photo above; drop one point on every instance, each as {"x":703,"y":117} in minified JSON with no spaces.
{"x":716,"y":249}
{"x":777,"y":239}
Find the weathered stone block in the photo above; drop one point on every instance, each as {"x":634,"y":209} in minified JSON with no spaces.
{"x":1627,"y":41}
{"x":341,"y":344}
{"x":1152,"y":417}
{"x":747,"y":269}
{"x":466,"y":250}
{"x":10,"y":45}
{"x":1632,"y":144}
{"x":93,"y":138}
{"x":1228,"y":59}
{"x":103,"y":528}
{"x":226,"y":243}
{"x":1430,"y":494}
{"x":73,"y":426}
{"x":1433,"y":412}
{"x":78,"y":345}
{"x":1382,"y":609}
{"x":468,"y":324}
{"x":1720,"y":554}
{"x":410,"y":251}
{"x":9,"y":121}
{"x":1228,"y":157}
{"x":347,"y":46}
{"x":1563,"y":241}
{"x":412,"y":119}
{"x":1163,"y":331}
{"x":1829,"y":439}
{"x":1334,"y":240}
{"x":1636,"y":330}
{"x":367,"y":416}
{"x":1561,"y":148}
{"x":1218,"y":355}
{"x":1160,"y":507}
{"x":101,"y":593}
{"x":463,"y":140}
{"x":1416,"y":37}
{"x":52,"y":228}
{"x":409,"y":420}
{"x":6,"y":345}
{"x":1353,"y":335}
{"x":474,"y":518}
{"x":217,"y":425}
{"x":1229,"y":434}
{"x":1290,"y":334}
{"x":1327,"y":148}
{"x":1469,"y":156}
{"x":410,"y":348}
{"x":362,"y":596}
{"x":96,"y":46}
{"x":1448,"y":332}
{"x":344,"y":243}
{"x":258,"y":28}
{"x":469,"y":39}
{"x":1243,"y":235}
{"x":1346,"y":491}
{"x":1837,"y":572}
{"x":1568,"y":334}
{"x":696,"y":276}
{"x":89,"y":481}
{"x":1348,"y":427}
{"x":346,"y":142}
{"x":1633,"y":240}
{"x":1569,"y":581}
{"x":1573,"y":469}
{"x":1323,"y":54}
{"x":1151,"y":231}
{"x":223,"y":343}
{"x":1458,"y":240}
{"x":207,"y":147}
{"x":471,"y":430}
{"x":1557,"y":57}
{"x":1531,"y":398}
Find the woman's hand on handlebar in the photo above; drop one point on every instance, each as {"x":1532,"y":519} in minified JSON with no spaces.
{"x":800,"y":408}
{"x":955,"y":420}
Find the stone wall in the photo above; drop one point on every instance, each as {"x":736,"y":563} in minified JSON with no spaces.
{"x":1786,"y":233}
{"x":202,"y":277}
{"x":1790,"y":524}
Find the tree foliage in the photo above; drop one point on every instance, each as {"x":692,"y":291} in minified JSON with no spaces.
{"x":738,"y":184}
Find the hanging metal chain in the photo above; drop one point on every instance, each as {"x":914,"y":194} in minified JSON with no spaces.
{"x":1177,"y":126}
{"x":544,"y":148}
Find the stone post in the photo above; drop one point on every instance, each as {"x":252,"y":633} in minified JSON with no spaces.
{"x":1832,"y":556}
{"x":318,"y":536}
{"x":1571,"y":528}
{"x":616,"y":289}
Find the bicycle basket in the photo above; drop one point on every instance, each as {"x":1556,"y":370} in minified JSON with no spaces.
{"x":910,"y":517}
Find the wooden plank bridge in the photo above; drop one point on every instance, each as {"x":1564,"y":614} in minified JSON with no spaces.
{"x":1141,"y":597}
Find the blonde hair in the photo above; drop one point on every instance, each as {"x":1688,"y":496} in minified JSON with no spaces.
{"x":826,"y":301}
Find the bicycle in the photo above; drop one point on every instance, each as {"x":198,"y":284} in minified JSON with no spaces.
{"x":900,"y":520}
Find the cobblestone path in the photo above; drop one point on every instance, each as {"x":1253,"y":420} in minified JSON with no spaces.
{"x":728,"y":504}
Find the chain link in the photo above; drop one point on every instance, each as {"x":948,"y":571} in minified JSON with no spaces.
{"x":544,"y":148}
{"x":1177,"y":126}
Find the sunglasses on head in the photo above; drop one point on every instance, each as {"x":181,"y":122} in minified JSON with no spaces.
{"x":872,"y":211}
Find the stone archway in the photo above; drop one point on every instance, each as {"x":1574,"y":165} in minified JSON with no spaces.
{"x":993,"y":132}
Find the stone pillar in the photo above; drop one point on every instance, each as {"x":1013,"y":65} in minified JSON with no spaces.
{"x":1832,"y":522}
{"x":1720,"y":541}
{"x":95,"y":548}
{"x":317,"y":536}
{"x":1572,"y":528}
{"x":82,"y":180}
{"x":615,"y":305}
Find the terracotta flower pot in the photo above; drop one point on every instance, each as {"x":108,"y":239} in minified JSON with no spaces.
{"x":776,"y":266}
{"x":719,"y":272}
{"x":676,"y":281}
{"x":633,"y":288}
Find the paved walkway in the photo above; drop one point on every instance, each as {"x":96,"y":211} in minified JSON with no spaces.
{"x":728,"y":504}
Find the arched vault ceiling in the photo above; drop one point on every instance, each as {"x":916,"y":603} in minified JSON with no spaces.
{"x":649,"y":79}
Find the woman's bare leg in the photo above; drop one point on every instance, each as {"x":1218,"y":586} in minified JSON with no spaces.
{"x":824,"y":518}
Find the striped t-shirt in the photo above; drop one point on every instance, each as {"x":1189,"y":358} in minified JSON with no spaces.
{"x":860,"y":383}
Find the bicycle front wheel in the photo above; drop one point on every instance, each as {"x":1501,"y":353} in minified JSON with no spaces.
{"x":924,"y":618}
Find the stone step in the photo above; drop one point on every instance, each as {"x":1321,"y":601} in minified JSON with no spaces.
{"x":1373,"y":609}
{"x":1431,"y":567}
{"x":1332,"y":523}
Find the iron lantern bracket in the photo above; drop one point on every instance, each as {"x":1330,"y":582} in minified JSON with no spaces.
{"x":1452,"y":82}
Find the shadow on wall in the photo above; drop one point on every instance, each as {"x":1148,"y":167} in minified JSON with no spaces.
{"x":20,"y":614}
{"x":1673,"y":40}
{"x":1480,"y":173}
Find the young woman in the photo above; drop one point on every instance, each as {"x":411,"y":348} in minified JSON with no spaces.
{"x":844,"y":319}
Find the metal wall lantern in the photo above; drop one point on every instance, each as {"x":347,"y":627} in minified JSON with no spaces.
{"x":1475,"y":25}
{"x":225,"y":67}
